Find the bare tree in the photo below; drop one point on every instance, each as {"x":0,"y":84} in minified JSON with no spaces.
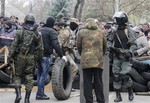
{"x":3,"y":7}
{"x":78,"y":9}
{"x":81,"y":9}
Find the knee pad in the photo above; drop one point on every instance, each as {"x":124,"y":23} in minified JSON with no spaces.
{"x":125,"y":78}
{"x":116,"y":78}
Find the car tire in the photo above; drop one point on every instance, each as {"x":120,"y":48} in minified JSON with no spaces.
{"x":61,"y":79}
{"x":137,"y":77}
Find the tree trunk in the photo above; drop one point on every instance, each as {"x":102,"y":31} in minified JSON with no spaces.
{"x":76,"y":8}
{"x":2,"y":7}
{"x":81,"y":10}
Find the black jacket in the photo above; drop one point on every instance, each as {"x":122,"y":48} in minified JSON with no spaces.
{"x":50,"y":42}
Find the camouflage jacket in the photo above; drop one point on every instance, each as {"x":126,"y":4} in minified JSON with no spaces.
{"x":91,"y":44}
{"x":27,"y":42}
{"x":66,"y":38}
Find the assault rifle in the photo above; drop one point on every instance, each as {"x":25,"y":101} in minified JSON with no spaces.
{"x":116,"y":50}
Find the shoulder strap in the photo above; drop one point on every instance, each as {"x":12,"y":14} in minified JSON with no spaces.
{"x":119,"y":40}
{"x":127,"y":33}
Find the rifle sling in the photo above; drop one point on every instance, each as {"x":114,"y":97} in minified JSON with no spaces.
{"x":126,"y":33}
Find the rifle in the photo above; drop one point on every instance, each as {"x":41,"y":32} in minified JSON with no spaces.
{"x":117,"y":51}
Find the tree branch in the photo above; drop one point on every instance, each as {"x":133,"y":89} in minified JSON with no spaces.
{"x":136,"y":6}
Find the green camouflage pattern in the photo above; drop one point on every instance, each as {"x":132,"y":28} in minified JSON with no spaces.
{"x":66,"y":38}
{"x":91,"y":44}
{"x":24,"y":66}
{"x":30,"y":43}
{"x":25,"y":54}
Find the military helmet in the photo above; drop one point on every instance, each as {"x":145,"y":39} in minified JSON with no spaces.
{"x":121,"y":15}
{"x":29,"y":17}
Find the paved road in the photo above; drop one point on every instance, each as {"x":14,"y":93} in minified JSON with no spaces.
{"x":7,"y":95}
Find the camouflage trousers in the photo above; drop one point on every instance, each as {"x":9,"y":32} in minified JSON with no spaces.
{"x":121,"y":69}
{"x":74,"y":66}
{"x":24,"y":66}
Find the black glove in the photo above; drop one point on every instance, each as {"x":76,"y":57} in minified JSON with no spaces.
{"x":112,"y":49}
{"x":135,"y":54}
{"x":128,"y":55}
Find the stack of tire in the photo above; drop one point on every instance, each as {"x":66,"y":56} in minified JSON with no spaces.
{"x":140,"y":74}
{"x":4,"y":72}
{"x":5,"y":75}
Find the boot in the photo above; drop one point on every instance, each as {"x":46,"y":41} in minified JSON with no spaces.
{"x":27,"y":97}
{"x":18,"y":95}
{"x":130,"y":91}
{"x":118,"y":96}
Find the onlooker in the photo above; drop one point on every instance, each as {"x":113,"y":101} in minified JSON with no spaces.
{"x":9,"y":30}
{"x":1,"y":25}
{"x":142,"y":42}
{"x":91,"y":44}
{"x":146,"y":28}
{"x":41,"y":24}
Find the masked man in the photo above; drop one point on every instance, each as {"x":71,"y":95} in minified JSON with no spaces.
{"x":122,"y":46}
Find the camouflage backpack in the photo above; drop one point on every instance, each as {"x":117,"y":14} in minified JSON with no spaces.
{"x":30,"y":42}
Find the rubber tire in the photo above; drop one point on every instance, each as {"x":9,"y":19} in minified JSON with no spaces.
{"x":4,"y":77}
{"x":146,"y":75}
{"x":1,"y":58}
{"x":137,"y":77}
{"x":139,"y":88}
{"x":61,"y":71}
{"x":139,"y":66}
{"x":148,"y":85}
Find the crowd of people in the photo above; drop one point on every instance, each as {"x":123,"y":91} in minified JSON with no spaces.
{"x":34,"y":43}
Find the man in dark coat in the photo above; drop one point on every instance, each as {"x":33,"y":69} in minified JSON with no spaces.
{"x":50,"y":42}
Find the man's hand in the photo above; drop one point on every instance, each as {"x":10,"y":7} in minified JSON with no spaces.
{"x":65,"y":58}
{"x":112,"y":49}
{"x":128,"y":55}
{"x":135,"y":54}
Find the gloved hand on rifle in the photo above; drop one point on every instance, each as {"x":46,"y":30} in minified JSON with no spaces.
{"x":65,"y":59}
{"x":128,"y":55}
{"x":113,"y":50}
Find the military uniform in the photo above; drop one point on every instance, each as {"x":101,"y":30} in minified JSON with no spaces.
{"x":91,"y":44}
{"x":26,"y":51}
{"x":121,"y":66}
{"x":67,"y":42}
{"x":123,"y":44}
